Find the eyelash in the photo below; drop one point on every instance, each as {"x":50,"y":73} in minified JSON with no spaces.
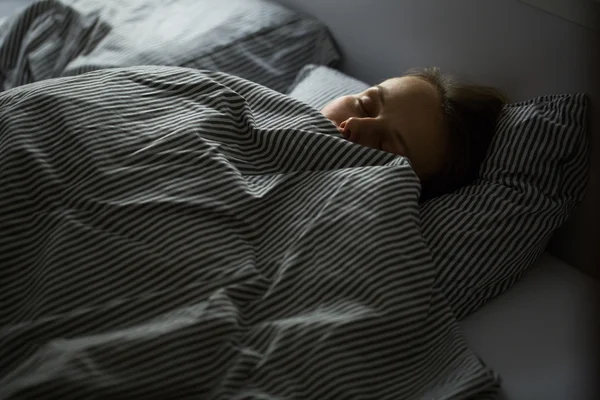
{"x":366,"y":110}
{"x":362,"y":106}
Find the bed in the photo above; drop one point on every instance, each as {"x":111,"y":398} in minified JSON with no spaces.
{"x":538,"y":335}
{"x":541,"y":330}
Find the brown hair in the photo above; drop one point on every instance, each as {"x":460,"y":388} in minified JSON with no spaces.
{"x":470,"y":113}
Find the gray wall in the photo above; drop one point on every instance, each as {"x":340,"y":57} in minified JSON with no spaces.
{"x":506,"y":43}
{"x":579,"y":11}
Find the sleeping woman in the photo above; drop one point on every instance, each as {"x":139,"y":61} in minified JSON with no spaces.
{"x":442,"y":126}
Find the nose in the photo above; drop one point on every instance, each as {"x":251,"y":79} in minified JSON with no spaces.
{"x":362,"y":131}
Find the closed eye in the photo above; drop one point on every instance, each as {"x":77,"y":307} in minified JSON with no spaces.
{"x":368,"y":105}
{"x":363,"y":107}
{"x":381,"y":94}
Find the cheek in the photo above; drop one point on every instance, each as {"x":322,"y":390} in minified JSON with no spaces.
{"x":432,"y":151}
{"x":339,"y":110}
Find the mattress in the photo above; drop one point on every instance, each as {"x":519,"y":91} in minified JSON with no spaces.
{"x":539,"y":336}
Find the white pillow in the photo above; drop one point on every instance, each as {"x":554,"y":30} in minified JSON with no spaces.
{"x":317,"y":86}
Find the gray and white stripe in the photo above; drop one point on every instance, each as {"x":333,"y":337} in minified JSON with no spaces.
{"x":254,"y":39}
{"x":170,"y":233}
{"x":484,"y":237}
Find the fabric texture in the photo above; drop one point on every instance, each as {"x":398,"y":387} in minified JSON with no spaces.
{"x":317,"y":86}
{"x":485,"y":236}
{"x":254,"y":39}
{"x":172,"y":233}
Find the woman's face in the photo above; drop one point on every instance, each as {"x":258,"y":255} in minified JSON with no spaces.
{"x":401,"y":116}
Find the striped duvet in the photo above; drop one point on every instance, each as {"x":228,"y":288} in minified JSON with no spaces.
{"x":169,"y":233}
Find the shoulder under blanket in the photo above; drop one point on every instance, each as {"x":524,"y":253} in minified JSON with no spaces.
{"x":170,"y":233}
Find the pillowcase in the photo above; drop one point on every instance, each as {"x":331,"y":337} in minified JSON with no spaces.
{"x":484,"y":236}
{"x":317,"y":85}
{"x":255,"y":39}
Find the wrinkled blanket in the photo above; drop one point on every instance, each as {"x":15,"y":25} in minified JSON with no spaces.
{"x":255,"y":39}
{"x":170,"y":233}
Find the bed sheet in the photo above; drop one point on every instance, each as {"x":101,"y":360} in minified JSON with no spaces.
{"x":539,"y":336}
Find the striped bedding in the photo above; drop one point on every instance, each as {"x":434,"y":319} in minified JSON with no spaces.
{"x":169,"y":233}
{"x":258,"y":40}
{"x":485,"y":236}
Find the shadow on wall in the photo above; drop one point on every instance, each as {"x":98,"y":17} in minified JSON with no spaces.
{"x":582,"y":12}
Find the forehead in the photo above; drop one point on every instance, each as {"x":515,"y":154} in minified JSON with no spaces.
{"x":414,"y":106}
{"x":410,"y":95}
{"x":411,"y":85}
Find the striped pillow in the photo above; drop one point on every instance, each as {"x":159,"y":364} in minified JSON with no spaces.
{"x":255,"y":39}
{"x":485,"y":236}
